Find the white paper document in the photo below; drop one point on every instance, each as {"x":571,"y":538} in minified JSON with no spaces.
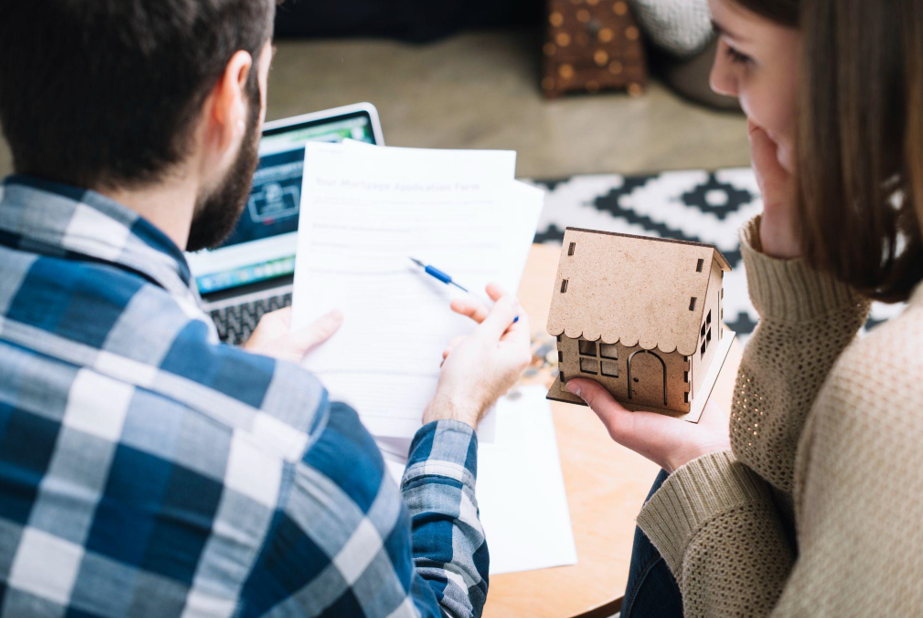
{"x":520,"y":488}
{"x":364,"y":213}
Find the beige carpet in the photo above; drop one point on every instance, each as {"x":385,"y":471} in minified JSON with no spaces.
{"x":480,"y":90}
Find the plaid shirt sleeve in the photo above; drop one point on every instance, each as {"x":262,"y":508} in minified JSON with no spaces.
{"x":449,"y":549}
{"x":347,"y":541}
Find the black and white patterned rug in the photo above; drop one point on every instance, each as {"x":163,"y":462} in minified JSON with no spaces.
{"x":695,"y":205}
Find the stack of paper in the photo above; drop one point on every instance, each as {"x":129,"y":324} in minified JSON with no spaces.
{"x":365,"y":211}
{"x":520,"y":488}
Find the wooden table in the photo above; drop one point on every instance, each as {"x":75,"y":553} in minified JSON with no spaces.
{"x":606,"y":485}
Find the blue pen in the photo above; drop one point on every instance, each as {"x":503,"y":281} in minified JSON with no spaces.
{"x":438,"y":274}
{"x":443,"y":277}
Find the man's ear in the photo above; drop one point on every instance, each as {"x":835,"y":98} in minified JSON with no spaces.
{"x":227,"y":116}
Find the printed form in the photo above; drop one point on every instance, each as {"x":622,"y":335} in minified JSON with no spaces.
{"x":365,"y":211}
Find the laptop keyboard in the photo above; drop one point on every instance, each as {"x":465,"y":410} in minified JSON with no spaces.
{"x":236,"y":323}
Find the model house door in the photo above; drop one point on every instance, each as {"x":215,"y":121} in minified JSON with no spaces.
{"x":647,"y":379}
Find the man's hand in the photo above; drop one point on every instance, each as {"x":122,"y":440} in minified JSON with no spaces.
{"x":480,"y":368}
{"x":668,"y":442}
{"x":778,"y":231}
{"x":274,"y":337}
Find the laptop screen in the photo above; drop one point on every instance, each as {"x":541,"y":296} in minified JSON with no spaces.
{"x":262,"y":246}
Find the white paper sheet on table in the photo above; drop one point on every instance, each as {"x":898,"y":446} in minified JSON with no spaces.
{"x":364,"y":211}
{"x":520,"y":488}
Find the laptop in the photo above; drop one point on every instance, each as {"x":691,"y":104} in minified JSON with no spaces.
{"x":252,"y":272}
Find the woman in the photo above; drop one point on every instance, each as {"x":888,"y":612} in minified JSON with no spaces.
{"x":811,"y":506}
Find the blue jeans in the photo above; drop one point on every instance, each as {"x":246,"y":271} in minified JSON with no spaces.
{"x":652,"y":590}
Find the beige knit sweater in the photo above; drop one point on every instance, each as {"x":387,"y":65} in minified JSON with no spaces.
{"x":827,"y":430}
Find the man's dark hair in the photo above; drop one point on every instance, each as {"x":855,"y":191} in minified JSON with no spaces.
{"x":106,"y":92}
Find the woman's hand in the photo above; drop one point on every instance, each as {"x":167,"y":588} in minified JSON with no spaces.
{"x":778,"y":231}
{"x":668,"y":442}
{"x":480,"y":368}
{"x":273,"y":336}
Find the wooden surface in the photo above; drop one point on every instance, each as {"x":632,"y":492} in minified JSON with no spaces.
{"x":606,"y":485}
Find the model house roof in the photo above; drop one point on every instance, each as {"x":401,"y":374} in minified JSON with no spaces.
{"x":633,"y":290}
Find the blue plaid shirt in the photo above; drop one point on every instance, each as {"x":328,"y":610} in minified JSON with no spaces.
{"x":148,"y":470}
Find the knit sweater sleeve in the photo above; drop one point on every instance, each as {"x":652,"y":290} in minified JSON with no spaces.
{"x":857,"y":487}
{"x":807,"y":319}
{"x":714,"y":520}
{"x":715,"y":524}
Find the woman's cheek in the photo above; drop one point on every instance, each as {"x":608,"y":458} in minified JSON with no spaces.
{"x":786,"y":157}
{"x":761,"y":105}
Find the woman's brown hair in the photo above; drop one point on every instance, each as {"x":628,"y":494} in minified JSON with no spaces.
{"x":860,"y":139}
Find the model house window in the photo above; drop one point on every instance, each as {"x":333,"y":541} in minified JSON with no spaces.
{"x":599,"y":358}
{"x":589,"y":365}
{"x":706,"y":333}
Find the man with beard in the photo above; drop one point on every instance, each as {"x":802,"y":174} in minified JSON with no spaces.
{"x":145,"y":468}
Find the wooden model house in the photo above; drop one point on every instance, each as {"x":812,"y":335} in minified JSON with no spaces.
{"x":642,"y":316}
